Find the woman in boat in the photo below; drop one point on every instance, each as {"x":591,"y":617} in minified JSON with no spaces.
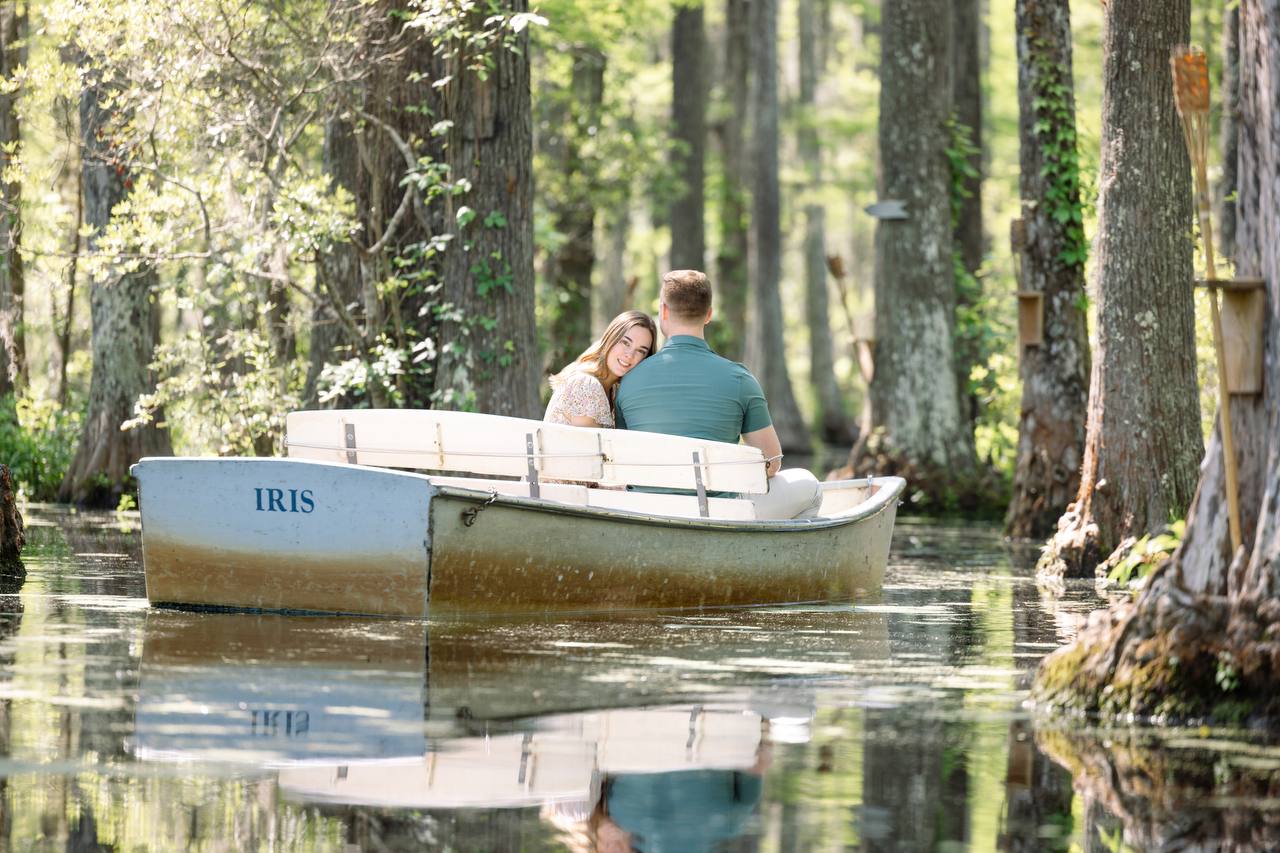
{"x":582,"y":393}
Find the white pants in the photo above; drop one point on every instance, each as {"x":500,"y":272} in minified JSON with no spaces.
{"x":793,"y":493}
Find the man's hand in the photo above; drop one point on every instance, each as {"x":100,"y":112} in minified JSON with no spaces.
{"x":767,"y":441}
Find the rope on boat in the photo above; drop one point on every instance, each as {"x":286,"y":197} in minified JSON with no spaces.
{"x":497,"y":455}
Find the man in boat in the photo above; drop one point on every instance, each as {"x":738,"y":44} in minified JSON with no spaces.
{"x":686,"y":389}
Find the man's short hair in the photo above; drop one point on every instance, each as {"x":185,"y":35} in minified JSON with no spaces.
{"x":687,"y":294}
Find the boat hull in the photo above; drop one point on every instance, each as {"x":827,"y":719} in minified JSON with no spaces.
{"x":514,"y":558}
{"x":293,"y":535}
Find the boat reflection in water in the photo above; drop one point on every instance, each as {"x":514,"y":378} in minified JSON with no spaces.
{"x":377,"y":713}
{"x":279,"y":691}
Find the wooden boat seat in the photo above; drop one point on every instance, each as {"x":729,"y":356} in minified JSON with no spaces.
{"x":492,"y":445}
{"x":680,"y":506}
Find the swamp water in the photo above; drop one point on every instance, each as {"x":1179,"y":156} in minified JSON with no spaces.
{"x":896,"y":724}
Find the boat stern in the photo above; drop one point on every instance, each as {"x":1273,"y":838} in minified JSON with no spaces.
{"x":284,"y":535}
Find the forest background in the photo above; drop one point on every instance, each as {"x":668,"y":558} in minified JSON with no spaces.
{"x":286,"y":233}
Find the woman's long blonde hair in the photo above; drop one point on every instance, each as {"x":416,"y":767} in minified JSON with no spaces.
{"x":593,"y":358}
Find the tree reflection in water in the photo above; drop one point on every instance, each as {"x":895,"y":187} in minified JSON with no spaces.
{"x":1163,"y":791}
{"x":894,"y":725}
{"x":12,"y":576}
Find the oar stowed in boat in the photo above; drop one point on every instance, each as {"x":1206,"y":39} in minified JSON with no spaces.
{"x":1191,"y":95}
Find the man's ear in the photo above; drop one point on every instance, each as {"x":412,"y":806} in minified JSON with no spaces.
{"x":707,"y":320}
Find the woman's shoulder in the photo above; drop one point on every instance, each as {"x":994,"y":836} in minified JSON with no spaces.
{"x":580,"y":380}
{"x":579,"y":394}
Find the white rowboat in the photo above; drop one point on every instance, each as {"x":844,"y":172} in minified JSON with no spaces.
{"x":337,"y":527}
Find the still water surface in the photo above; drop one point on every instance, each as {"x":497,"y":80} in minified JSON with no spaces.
{"x":896,"y":724}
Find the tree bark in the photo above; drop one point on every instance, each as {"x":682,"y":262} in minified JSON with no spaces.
{"x":568,"y":270}
{"x":1055,"y":375}
{"x":732,"y":277}
{"x":1143,"y":443}
{"x":488,"y":346}
{"x":967,"y":77}
{"x":376,"y":129}
{"x":968,"y":233}
{"x":125,"y":327}
{"x":338,"y":281}
{"x":833,"y":423}
{"x":12,"y":530}
{"x":13,"y":357}
{"x":915,"y":402}
{"x":689,"y":137}
{"x":766,"y":344}
{"x":1228,"y":127}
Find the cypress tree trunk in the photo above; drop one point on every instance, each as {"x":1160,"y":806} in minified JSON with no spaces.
{"x":1055,"y":375}
{"x":125,"y":328}
{"x":1229,"y":128}
{"x":13,"y":357}
{"x":376,"y":128}
{"x":689,"y":135}
{"x":766,"y":345}
{"x":731,"y":280}
{"x":969,"y":238}
{"x":1205,"y":560}
{"x":338,"y":321}
{"x":833,"y":423}
{"x":1212,"y":611}
{"x":967,"y":62}
{"x":1143,"y":444}
{"x":915,"y":402}
{"x":12,"y":529}
{"x":568,"y":270}
{"x":488,"y":348}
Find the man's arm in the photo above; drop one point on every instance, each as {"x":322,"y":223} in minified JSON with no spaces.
{"x":767,"y":440}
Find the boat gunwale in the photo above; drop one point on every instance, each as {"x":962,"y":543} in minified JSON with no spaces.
{"x":890,"y":489}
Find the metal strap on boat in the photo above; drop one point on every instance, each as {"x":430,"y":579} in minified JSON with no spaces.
{"x":350,"y":432}
{"x":703,"y":509}
{"x":533,"y":465}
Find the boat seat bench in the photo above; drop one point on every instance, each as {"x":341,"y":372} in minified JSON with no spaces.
{"x":540,"y":454}
{"x":682,"y":506}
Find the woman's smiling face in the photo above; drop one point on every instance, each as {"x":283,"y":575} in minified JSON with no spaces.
{"x":636,"y":343}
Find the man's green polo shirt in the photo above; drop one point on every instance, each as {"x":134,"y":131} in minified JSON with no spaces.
{"x":686,"y":389}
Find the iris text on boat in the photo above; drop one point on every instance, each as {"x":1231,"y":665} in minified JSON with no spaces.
{"x":284,"y":500}
{"x":279,"y":723}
